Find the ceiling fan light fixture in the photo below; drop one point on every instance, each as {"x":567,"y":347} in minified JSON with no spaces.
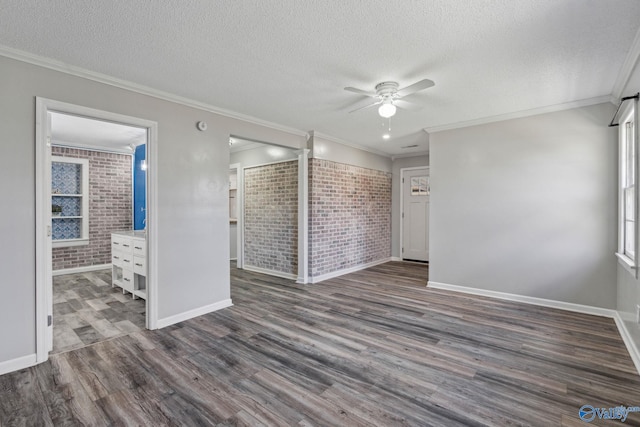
{"x":387,"y":110}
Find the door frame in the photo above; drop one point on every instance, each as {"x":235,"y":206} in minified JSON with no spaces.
{"x":402,"y":172}
{"x":44,"y":289}
{"x":239,"y":213}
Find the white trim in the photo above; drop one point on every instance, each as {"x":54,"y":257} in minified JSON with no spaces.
{"x":627,"y":67}
{"x":275,"y":273}
{"x":84,"y":269}
{"x":73,"y":70}
{"x":303,"y":216}
{"x":69,"y":242}
{"x":521,"y":114}
{"x":579,"y":308}
{"x":395,"y":258}
{"x":629,"y":113}
{"x":314,"y":133}
{"x":172,"y":320}
{"x":344,"y":271}
{"x":406,"y":155}
{"x":634,"y":351}
{"x":18,"y":363}
{"x":151,"y":214}
{"x":626,"y":263}
{"x":86,"y":147}
{"x":44,"y":287}
{"x":239,"y":194}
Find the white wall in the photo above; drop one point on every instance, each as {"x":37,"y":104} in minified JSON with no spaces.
{"x":193,"y":173}
{"x":528,"y":206}
{"x":396,"y":189}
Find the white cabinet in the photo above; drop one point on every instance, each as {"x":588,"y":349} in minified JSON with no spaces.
{"x":129,"y":262}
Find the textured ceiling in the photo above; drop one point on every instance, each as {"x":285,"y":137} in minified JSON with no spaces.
{"x":287,"y":61}
{"x":98,"y":134}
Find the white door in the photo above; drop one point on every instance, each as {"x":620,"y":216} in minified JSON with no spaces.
{"x":415,"y":214}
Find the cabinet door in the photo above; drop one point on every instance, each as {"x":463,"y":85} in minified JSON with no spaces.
{"x":127,"y":280}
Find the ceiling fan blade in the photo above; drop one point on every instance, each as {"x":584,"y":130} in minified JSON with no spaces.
{"x":360,"y":91}
{"x":421,"y":85}
{"x":401,"y":103}
{"x":365,"y":106}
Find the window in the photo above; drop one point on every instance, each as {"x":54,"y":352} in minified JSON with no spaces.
{"x":628,"y":191}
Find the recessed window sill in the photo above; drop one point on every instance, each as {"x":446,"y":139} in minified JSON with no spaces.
{"x":627,"y":263}
{"x":69,"y":242}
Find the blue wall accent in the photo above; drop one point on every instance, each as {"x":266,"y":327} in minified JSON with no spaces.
{"x":139,"y":188}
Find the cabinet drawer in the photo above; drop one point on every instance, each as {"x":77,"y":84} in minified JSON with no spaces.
{"x":116,"y":258}
{"x":127,"y":280}
{"x":139,"y":247}
{"x":140,"y":265}
{"x":127,"y":261}
{"x":121,"y":243}
{"x":126,"y":245}
{"x":116,"y":243}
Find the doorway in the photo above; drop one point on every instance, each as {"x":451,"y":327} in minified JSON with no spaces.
{"x":63,"y":220}
{"x":415,"y":214}
{"x":268,"y":185}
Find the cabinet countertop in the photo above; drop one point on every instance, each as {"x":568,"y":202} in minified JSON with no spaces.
{"x":140,"y":234}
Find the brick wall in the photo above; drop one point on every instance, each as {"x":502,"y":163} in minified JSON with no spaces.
{"x":349,"y":216}
{"x":110,"y":197}
{"x":271,"y":217}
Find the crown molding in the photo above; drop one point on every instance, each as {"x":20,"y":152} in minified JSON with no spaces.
{"x":521,"y":114}
{"x":73,"y":70}
{"x":627,"y":67}
{"x":313,"y":133}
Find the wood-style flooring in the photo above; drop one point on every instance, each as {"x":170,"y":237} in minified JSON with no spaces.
{"x":87,"y":310}
{"x":372,"y":348}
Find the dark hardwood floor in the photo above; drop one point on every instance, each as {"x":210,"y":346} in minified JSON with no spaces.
{"x":374,"y":347}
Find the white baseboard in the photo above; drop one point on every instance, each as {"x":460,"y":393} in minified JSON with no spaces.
{"x":395,"y":258}
{"x":634,"y":351}
{"x":17,"y":364}
{"x":282,"y":274}
{"x":81,"y":269}
{"x":171,"y":320}
{"x":344,"y":271}
{"x":587,"y":309}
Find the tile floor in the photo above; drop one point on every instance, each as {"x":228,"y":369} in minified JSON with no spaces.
{"x":86,"y":310}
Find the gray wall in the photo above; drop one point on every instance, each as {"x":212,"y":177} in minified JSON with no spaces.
{"x":629,"y":286}
{"x":193,"y":173}
{"x":396,"y":188}
{"x":528,"y":206}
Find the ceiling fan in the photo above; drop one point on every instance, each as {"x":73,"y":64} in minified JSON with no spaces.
{"x":389,"y":96}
